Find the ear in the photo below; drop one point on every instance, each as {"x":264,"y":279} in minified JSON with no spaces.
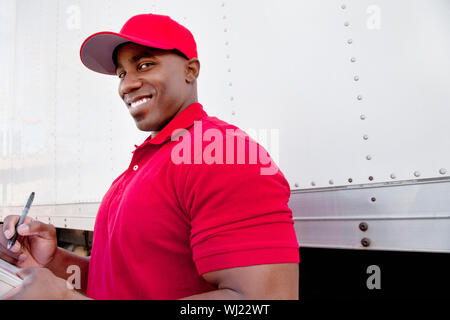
{"x":192,"y":70}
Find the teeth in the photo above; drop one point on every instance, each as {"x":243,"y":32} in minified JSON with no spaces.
{"x":139,"y":102}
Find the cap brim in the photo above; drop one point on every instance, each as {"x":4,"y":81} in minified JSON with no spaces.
{"x":96,"y":51}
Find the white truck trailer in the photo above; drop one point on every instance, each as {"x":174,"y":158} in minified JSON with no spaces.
{"x":350,"y":97}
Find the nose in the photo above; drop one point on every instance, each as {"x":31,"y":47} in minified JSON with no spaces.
{"x":129,"y":83}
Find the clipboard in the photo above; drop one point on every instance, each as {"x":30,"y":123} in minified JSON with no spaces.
{"x":8,"y":278}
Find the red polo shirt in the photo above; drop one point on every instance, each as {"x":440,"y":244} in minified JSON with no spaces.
{"x":165,"y":222}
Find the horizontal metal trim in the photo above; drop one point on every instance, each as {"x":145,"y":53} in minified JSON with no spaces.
{"x":68,"y":217}
{"x":375,"y":185}
{"x":329,"y":246}
{"x":361,"y":218}
{"x":56,"y":205}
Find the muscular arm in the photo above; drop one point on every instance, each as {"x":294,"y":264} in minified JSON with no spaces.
{"x":259,"y":282}
{"x":63,"y":260}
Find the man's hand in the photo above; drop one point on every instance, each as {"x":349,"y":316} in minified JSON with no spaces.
{"x":35,"y":246}
{"x":41,"y":284}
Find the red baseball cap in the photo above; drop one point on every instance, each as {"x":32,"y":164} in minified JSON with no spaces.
{"x":151,"y":30}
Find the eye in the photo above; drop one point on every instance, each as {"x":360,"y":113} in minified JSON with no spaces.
{"x":145,"y":65}
{"x":121,"y":75}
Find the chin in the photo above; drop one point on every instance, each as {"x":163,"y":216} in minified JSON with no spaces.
{"x":143,"y":127}
{"x":146,"y":126}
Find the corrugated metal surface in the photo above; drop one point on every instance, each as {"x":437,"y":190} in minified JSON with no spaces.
{"x":353,"y":93}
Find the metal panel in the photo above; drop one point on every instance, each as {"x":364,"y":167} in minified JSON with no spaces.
{"x":83,"y":114}
{"x":31,"y":104}
{"x":7,"y":128}
{"x":267,"y":65}
{"x":411,"y":217}
{"x":293,"y":71}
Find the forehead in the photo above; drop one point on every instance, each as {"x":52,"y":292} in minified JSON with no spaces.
{"x":127,"y":50}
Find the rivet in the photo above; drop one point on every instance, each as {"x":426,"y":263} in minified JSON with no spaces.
{"x":393,"y":176}
{"x":350,"y":180}
{"x":346,"y":23}
{"x":373,"y":199}
{"x":349,"y":41}
{"x":442,"y":171}
{"x":229,"y":70}
{"x":359,"y":97}
{"x":363,"y":226}
{"x":353,"y":59}
{"x":365,"y":242}
{"x":226,"y":43}
{"x":370,"y":178}
{"x":313,"y":183}
{"x":231,"y":98}
{"x":233,"y":113}
{"x":416,"y":173}
{"x":228,"y":56}
{"x":363,"y":117}
{"x":331,"y":181}
{"x":365,"y":137}
{"x":356,"y":78}
{"x":343,"y":7}
{"x":296,"y":185}
{"x":369,"y":157}
{"x":230,"y":84}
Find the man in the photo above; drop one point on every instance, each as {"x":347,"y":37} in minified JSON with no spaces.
{"x":185,"y":220}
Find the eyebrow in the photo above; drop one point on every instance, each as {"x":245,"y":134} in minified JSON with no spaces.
{"x":145,"y":54}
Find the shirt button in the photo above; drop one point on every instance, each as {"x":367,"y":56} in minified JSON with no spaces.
{"x":135,"y":167}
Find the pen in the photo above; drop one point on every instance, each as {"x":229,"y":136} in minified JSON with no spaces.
{"x":12,"y":241}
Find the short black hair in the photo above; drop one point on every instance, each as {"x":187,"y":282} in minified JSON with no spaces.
{"x":116,"y":49}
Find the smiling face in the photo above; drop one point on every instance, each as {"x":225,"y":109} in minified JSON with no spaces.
{"x":155,"y":84}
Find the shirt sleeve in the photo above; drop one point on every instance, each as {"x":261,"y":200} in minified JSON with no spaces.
{"x":239,"y":217}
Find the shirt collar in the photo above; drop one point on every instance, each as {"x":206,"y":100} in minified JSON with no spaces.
{"x":183,"y":120}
